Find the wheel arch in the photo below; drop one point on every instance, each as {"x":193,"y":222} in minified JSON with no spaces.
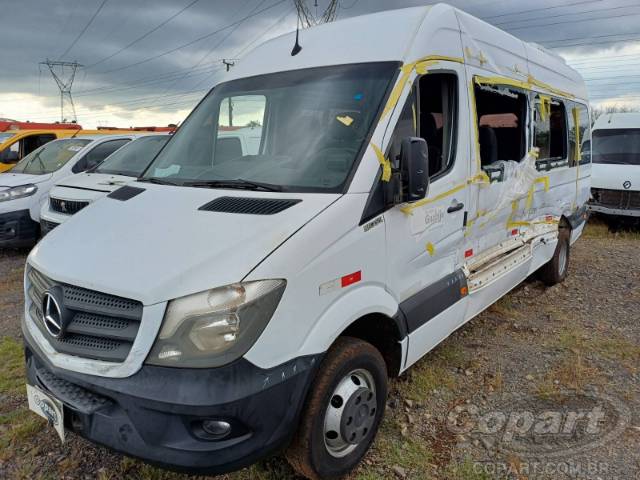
{"x":385,"y":334}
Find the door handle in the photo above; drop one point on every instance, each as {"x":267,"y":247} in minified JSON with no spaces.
{"x":455,"y":207}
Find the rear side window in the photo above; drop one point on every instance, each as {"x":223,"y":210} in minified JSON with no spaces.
{"x":579,"y":134}
{"x":550,"y":128}
{"x":98,"y":154}
{"x":502,"y":121}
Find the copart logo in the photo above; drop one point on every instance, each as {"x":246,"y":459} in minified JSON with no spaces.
{"x":48,"y":409}
{"x":627,"y":185}
{"x":565,"y":424}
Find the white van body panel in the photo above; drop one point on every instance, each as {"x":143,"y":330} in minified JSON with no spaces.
{"x":615,"y":177}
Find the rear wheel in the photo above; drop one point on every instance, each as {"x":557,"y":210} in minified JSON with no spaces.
{"x":555,"y":271}
{"x":343,"y":411}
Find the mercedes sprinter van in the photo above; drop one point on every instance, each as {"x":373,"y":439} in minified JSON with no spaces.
{"x":413,"y":167}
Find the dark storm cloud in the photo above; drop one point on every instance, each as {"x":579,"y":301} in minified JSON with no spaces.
{"x":34,"y":30}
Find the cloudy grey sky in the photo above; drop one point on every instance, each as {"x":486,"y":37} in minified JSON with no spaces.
{"x":150,"y":61}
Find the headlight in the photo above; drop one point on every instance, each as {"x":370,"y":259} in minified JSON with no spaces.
{"x":18,"y":192}
{"x":212,"y":328}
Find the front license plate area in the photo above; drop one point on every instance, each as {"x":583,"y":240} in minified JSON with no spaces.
{"x":48,"y":407}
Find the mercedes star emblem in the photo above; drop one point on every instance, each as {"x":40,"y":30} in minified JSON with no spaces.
{"x":52,"y":315}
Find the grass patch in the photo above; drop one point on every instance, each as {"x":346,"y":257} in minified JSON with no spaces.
{"x":424,"y":378}
{"x":12,"y":379}
{"x":393,"y":449}
{"x":598,"y":229}
{"x":506,"y":308}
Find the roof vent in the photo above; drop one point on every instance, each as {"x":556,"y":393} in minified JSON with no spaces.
{"x":249,"y":206}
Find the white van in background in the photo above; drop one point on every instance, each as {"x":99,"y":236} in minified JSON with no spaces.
{"x":74,"y":193}
{"x":615,"y":182}
{"x":25,"y":188}
{"x":413,"y":166}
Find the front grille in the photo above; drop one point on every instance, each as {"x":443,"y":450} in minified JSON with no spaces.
{"x":46,"y":226}
{"x":621,"y":199}
{"x":101,"y":326}
{"x":68,"y":207}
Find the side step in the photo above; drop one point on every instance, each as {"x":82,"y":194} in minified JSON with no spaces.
{"x":506,"y":256}
{"x":498,"y":266}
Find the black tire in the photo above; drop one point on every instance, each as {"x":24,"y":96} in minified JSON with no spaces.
{"x":555,"y":271}
{"x":309,"y":453}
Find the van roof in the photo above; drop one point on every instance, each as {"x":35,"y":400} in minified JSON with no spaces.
{"x":406,"y":35}
{"x":617,"y":120}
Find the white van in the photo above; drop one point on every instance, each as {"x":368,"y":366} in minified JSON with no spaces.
{"x":26,"y":186}
{"x":616,"y":165}
{"x":404,"y":182}
{"x":76,"y":192}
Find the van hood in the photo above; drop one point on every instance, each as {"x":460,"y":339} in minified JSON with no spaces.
{"x":158,"y":245}
{"x":615,"y":177}
{"x":89,"y":186}
{"x":8,"y":179}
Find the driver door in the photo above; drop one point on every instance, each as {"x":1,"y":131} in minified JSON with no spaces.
{"x":424,"y":239}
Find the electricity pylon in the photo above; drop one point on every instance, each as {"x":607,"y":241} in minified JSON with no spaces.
{"x":64,"y":78}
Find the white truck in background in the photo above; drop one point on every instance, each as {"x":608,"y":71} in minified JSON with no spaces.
{"x":615,"y":177}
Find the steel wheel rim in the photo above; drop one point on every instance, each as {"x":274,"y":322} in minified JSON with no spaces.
{"x":343,"y":406}
{"x":562,"y":257}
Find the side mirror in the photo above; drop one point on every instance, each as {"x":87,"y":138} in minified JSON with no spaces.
{"x":414,"y":166}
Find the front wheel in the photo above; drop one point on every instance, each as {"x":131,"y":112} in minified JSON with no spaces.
{"x":555,"y":271}
{"x":342,"y":412}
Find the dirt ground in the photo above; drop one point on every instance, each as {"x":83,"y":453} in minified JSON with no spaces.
{"x":543,"y":385}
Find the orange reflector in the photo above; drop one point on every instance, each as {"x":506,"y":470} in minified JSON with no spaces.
{"x":351,"y":278}
{"x":464,"y":291}
{"x":468,"y":253}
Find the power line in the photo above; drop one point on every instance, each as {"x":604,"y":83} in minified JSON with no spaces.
{"x":585,"y":12}
{"x":573,"y":21}
{"x":606,"y":42}
{"x":93,"y":17}
{"x":607,"y":58}
{"x":203,"y":70}
{"x":591,"y":37}
{"x":199,"y":39}
{"x":540,"y":9}
{"x":145,"y":35}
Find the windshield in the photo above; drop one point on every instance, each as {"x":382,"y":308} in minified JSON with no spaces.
{"x":132,"y":159}
{"x":616,"y":146}
{"x":293,"y":131}
{"x":5,"y":136}
{"x":50,"y":157}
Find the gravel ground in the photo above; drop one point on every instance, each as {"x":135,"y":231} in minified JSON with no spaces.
{"x":543,"y":385}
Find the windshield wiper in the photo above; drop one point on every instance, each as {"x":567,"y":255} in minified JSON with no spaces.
{"x":236,"y":183}
{"x":160,"y":181}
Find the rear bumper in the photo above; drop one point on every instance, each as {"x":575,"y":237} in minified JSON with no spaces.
{"x":156,"y":414}
{"x":17,"y":229}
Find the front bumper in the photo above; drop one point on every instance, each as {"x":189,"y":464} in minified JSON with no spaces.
{"x":17,"y":229}
{"x":54,"y":217}
{"x":156,"y":414}
{"x":623,"y":212}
